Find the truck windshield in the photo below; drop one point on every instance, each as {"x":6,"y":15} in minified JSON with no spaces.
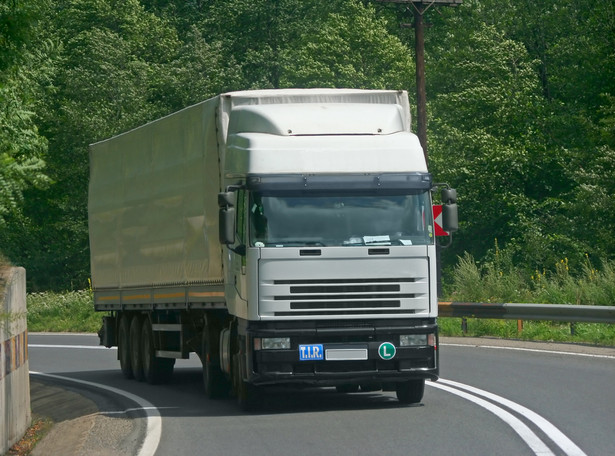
{"x":348,"y":220}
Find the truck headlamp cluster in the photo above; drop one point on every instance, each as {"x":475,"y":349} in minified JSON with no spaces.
{"x":272,"y":343}
{"x":409,"y":340}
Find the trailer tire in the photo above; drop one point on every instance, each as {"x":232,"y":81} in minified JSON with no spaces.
{"x":155,"y":369}
{"x":411,"y":391}
{"x":123,"y":347}
{"x":214,"y":381}
{"x":135,"y":348}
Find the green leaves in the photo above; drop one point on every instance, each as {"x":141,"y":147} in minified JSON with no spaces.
{"x":520,"y":105}
{"x":351,"y":48}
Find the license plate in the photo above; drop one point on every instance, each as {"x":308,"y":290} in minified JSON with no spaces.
{"x":313,"y":352}
{"x":346,"y":354}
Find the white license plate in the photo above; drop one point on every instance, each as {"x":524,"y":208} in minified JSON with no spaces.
{"x":312,"y":352}
{"x":345,"y":354}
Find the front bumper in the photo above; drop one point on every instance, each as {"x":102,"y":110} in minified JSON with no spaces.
{"x":285,"y":366}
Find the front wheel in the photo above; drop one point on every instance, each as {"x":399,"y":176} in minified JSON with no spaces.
{"x":248,"y":395}
{"x":410,"y":392}
{"x":215,"y":382}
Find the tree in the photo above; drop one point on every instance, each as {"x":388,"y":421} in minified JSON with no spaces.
{"x":350,"y":48}
{"x":22,"y":148}
{"x":486,"y":142}
{"x":108,"y":64}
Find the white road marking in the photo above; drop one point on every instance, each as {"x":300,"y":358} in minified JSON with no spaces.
{"x":88,"y":347}
{"x":533,"y":441}
{"x":534,"y":350}
{"x":154,"y":420}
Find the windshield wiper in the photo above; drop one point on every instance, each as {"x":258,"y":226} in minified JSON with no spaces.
{"x":296,"y":243}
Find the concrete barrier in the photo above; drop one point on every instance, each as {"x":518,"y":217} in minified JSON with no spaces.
{"x":15,"y":413}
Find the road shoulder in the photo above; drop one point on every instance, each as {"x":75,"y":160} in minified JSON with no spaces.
{"x":559,"y":347}
{"x":82,"y":426}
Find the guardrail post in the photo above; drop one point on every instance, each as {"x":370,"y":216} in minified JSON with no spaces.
{"x":464,"y":325}
{"x":519,"y":326}
{"x":573,"y":328}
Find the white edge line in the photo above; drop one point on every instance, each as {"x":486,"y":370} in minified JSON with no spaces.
{"x":557,"y":436}
{"x":89,"y":347}
{"x":154,"y":420}
{"x":535,"y":350}
{"x":528,"y":436}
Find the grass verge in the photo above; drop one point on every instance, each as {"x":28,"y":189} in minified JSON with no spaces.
{"x":72,"y":311}
{"x":584,"y":333}
{"x":38,"y":429}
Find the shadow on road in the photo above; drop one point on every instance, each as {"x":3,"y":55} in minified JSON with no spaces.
{"x":184,"y":396}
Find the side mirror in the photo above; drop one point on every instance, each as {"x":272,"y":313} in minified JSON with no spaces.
{"x":450,"y":220}
{"x":226,"y":225}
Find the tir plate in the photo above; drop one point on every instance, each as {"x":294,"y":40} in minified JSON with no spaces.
{"x":313,"y":352}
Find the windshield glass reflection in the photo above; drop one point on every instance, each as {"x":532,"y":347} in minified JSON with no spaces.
{"x":340,"y":220}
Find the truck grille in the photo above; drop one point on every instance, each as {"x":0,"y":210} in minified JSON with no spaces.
{"x":375,"y":295}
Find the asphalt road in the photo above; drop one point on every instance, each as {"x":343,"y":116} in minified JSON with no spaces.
{"x":515,"y":400}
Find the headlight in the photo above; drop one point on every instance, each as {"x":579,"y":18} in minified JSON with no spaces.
{"x":272,"y":343}
{"x":406,"y":340}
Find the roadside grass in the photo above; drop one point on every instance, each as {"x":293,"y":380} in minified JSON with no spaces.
{"x":72,"y":311}
{"x":584,"y":333}
{"x":499,"y":281}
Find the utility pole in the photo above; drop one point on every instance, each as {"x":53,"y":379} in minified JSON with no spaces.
{"x":420,"y":8}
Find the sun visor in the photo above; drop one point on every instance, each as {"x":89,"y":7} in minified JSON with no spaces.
{"x":317,"y":119}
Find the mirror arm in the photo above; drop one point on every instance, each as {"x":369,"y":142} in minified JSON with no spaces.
{"x":239,"y":250}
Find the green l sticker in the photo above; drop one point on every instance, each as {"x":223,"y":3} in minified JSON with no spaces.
{"x":386,"y":350}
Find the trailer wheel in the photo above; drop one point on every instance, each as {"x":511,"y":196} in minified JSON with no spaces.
{"x":135,"y":348}
{"x":123,"y":347}
{"x":155,"y":369}
{"x":215,"y":382}
{"x":410,"y":392}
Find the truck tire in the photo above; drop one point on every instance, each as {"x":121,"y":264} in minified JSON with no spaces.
{"x":248,"y":395}
{"x":214,"y":381}
{"x":123,"y":347}
{"x":410,"y":392}
{"x":135,"y":348}
{"x":155,"y":369}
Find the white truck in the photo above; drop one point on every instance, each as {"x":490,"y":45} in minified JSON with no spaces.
{"x":284,"y":236}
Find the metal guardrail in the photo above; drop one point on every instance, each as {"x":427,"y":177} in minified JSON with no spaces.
{"x":510,"y":311}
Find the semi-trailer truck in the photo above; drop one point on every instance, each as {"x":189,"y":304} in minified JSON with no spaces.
{"x":284,"y":236}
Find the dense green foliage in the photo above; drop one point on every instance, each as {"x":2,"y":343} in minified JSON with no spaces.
{"x":521,"y":105}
